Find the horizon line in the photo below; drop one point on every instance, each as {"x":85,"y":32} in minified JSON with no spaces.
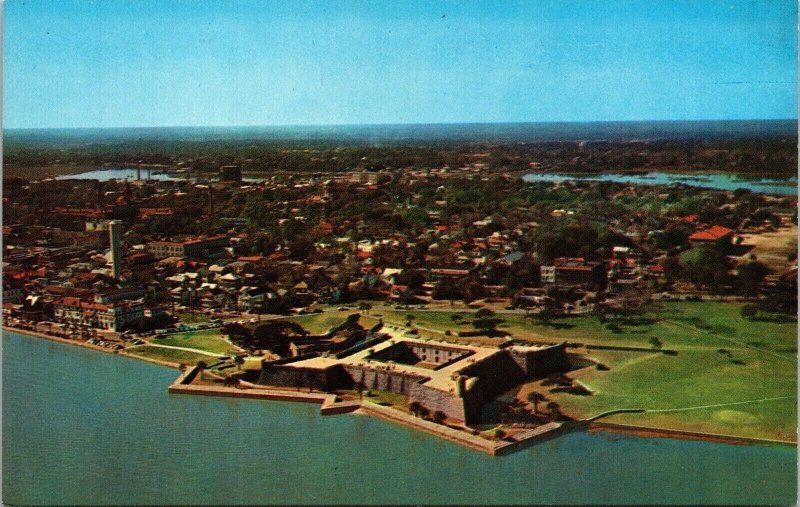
{"x":387,"y":124}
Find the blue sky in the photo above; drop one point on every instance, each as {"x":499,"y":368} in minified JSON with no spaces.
{"x":117,"y":63}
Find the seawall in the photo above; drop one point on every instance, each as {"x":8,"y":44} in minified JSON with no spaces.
{"x":331,"y":405}
{"x":649,"y":431}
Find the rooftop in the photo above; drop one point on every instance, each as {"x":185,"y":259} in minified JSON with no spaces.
{"x":443,"y":378}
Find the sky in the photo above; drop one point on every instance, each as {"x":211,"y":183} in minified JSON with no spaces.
{"x":128,"y":63}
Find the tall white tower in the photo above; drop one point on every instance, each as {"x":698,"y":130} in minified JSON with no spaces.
{"x":114,"y":238}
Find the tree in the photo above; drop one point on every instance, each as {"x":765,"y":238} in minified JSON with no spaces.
{"x":655,"y":343}
{"x":488,"y":325}
{"x":238,"y":361}
{"x":600,"y":312}
{"x":360,"y":387}
{"x":634,"y":302}
{"x":438,"y":417}
{"x":548,"y":312}
{"x":748,"y":311}
{"x":705,"y":265}
{"x":554,"y":409}
{"x":414,"y":407}
{"x":535,"y":398}
{"x":750,"y":275}
{"x":484,"y":313}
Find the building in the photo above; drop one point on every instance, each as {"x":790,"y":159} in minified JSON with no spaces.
{"x":109,"y":316}
{"x":569,"y":271}
{"x":547,"y":274}
{"x":122,"y":294}
{"x":457,"y":380}
{"x":230,"y":173}
{"x":115,"y":238}
{"x":198,"y":248}
{"x":715,"y":235}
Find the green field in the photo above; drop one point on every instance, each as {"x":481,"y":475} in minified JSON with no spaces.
{"x":208,"y":339}
{"x":194,"y":318}
{"x":319,"y":323}
{"x":171,"y":355}
{"x":678,"y":325}
{"x":721,"y":359}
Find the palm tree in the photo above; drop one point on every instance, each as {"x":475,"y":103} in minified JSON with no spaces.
{"x":535,"y":398}
{"x":553,"y":407}
{"x":359,"y":386}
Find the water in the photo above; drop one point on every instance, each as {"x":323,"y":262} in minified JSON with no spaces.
{"x":713,"y":181}
{"x":104,"y":174}
{"x":107,"y":174}
{"x":721,"y":181}
{"x":85,"y":427}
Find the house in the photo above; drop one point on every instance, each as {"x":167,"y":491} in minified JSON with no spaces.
{"x":715,"y":235}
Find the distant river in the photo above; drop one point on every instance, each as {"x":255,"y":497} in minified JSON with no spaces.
{"x":85,"y":427}
{"x":130,"y":174}
{"x":721,"y":181}
{"x":716,"y":181}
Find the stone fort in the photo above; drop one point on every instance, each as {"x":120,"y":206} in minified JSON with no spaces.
{"x":457,"y":380}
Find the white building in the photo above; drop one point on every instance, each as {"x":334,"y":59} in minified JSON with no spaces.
{"x":110,"y":316}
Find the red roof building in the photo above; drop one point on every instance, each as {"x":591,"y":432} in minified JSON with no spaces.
{"x":713,"y":234}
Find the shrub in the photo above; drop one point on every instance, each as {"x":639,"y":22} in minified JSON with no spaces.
{"x":749,"y":311}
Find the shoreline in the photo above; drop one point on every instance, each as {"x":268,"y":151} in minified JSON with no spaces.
{"x":330,"y":406}
{"x":76,"y":343}
{"x":652,"y":432}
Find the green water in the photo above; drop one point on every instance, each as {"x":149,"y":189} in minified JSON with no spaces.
{"x":81,"y":426}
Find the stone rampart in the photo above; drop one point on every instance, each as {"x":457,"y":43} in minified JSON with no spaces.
{"x":383,"y":379}
{"x":540,"y":363}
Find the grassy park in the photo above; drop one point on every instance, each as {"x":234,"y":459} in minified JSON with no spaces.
{"x":170,"y":355}
{"x":319,"y":323}
{"x":210,"y":340}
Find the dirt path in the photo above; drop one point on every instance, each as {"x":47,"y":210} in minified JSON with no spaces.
{"x":700,"y":407}
{"x":737,"y":342}
{"x":187,"y":349}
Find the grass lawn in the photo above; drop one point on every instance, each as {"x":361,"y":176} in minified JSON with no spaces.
{"x":319,"y":323}
{"x":758,"y":361}
{"x":194,"y":318}
{"x":679,"y":325}
{"x":172,"y":355}
{"x":208,"y":339}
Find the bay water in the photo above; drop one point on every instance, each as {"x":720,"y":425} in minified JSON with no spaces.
{"x":86,"y":427}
